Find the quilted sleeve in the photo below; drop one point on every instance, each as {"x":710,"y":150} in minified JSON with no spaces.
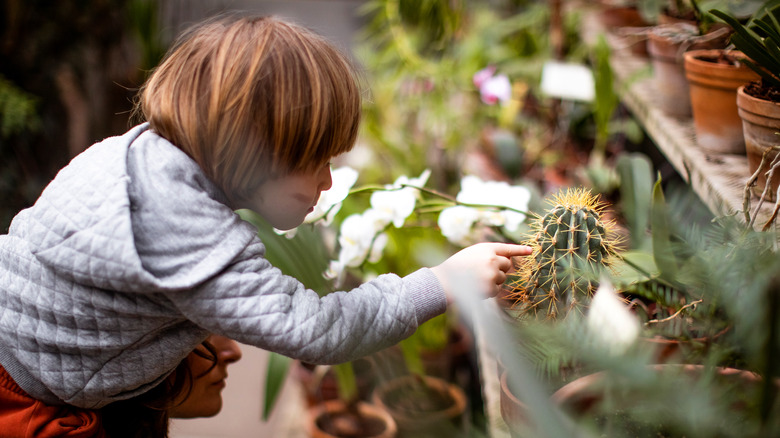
{"x":254,"y":303}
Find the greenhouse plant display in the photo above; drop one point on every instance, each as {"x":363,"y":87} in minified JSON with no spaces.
{"x":759,"y":101}
{"x":616,"y":384}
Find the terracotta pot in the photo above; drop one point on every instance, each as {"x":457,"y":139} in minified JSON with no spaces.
{"x":335,"y":419}
{"x":628,"y":26}
{"x":423,"y":405}
{"x":713,"y":91}
{"x":513,"y":411}
{"x":667,"y":44}
{"x":583,"y":395}
{"x":613,"y":17}
{"x":667,"y":350}
{"x":760,"y":122}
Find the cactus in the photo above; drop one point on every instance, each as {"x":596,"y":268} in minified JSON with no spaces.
{"x":573,"y":245}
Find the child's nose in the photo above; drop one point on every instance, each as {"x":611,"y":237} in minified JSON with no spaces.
{"x":326,"y":179}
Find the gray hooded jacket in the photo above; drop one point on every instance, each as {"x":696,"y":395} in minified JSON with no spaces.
{"x":131,"y":258}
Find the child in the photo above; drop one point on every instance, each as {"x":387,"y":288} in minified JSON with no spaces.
{"x":133,"y":254}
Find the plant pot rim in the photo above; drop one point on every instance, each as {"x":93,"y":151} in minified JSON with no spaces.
{"x":457,"y":395}
{"x":368,"y":409}
{"x":741,"y":92}
{"x":660,"y":339}
{"x":699,"y":54}
{"x":577,"y":386}
{"x":753,"y":107}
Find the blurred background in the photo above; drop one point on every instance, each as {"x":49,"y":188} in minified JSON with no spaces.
{"x":515,"y":92}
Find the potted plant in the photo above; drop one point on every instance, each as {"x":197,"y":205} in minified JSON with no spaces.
{"x":423,"y":405}
{"x":666,"y":45}
{"x":759,"y":101}
{"x":713,"y":79}
{"x":625,"y":19}
{"x":573,"y":248}
{"x":337,"y":419}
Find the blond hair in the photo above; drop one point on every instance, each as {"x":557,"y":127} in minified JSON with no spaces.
{"x":250,"y":98}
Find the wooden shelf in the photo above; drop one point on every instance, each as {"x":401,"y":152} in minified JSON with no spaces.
{"x":718,"y":179}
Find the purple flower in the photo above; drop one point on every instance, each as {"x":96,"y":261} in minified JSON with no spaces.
{"x":492,"y":89}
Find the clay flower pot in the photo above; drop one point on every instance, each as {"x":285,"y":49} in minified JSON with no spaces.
{"x":584,"y":395}
{"x":513,"y":411}
{"x":668,"y":350}
{"x":422,"y":405}
{"x":612,"y":17}
{"x":760,"y":122}
{"x":713,"y":90}
{"x":336,"y":419}
{"x":667,"y":44}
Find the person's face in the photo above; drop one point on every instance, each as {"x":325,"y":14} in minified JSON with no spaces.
{"x":205,"y":399}
{"x":285,"y":201}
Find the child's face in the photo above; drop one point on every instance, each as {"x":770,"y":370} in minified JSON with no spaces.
{"x":285,"y":201}
{"x":208,"y":380}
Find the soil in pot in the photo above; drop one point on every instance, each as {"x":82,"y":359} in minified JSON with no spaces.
{"x":714,"y":77}
{"x":336,"y":419}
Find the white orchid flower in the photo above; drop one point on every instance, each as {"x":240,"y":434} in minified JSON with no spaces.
{"x":330,"y":200}
{"x":496,"y":193}
{"x":610,"y":322}
{"x":358,"y":233}
{"x":335,"y":271}
{"x":398,"y":202}
{"x":456,"y":223}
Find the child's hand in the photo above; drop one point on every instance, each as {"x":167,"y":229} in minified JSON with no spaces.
{"x":483,"y":265}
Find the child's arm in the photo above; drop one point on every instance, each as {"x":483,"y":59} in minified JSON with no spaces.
{"x":252,"y":302}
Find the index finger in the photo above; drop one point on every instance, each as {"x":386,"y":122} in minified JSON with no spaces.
{"x":512,"y":250}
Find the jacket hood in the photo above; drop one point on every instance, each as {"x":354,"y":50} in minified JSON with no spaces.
{"x":103,"y":223}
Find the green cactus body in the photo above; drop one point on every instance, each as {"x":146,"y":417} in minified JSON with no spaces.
{"x":572,"y":248}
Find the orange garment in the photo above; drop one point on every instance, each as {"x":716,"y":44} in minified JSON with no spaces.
{"x":22,"y":416}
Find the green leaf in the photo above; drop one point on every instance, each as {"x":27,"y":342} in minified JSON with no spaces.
{"x":633,"y":267}
{"x":636,"y":188}
{"x":411,"y":351}
{"x":278,"y":366}
{"x":663,"y":255}
{"x":345,"y":376}
{"x":303,"y":257}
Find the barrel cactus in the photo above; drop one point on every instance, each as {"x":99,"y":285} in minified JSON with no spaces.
{"x":573,"y":245}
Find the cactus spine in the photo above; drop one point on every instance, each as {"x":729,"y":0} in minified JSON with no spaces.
{"x":572,"y":247}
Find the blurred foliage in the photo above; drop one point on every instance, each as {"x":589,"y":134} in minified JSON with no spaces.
{"x":725,"y":384}
{"x":68,"y":71}
{"x":424,"y":110}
